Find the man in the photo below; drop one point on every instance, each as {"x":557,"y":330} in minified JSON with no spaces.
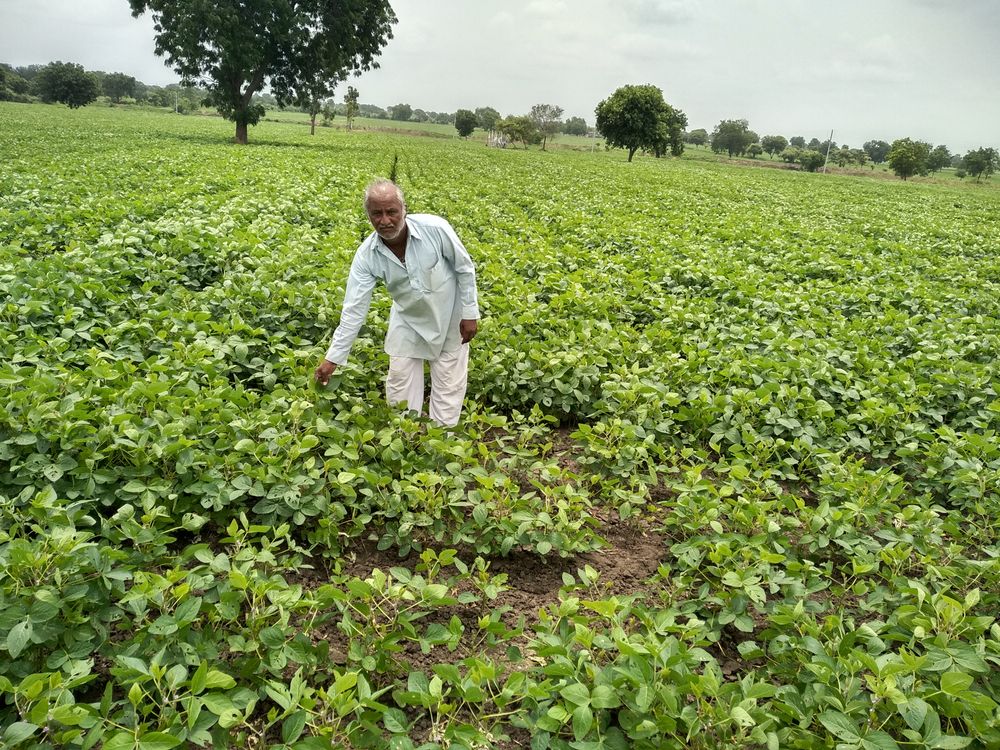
{"x":434,"y":313}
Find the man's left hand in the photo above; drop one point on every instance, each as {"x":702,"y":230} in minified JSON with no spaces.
{"x":468,"y":329}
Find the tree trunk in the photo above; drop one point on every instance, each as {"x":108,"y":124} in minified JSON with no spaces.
{"x":241,"y":133}
{"x":312,"y":122}
{"x":631,"y":153}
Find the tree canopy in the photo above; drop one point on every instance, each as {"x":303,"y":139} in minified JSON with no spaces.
{"x":67,"y":83}
{"x":908,"y":157}
{"x":635,"y":117}
{"x":877,"y":150}
{"x":119,"y":85}
{"x":982,"y":162}
{"x":732,"y":136}
{"x":487,"y":117}
{"x":774,"y":144}
{"x":547,"y":119}
{"x":296,"y":47}
{"x":465,"y":122}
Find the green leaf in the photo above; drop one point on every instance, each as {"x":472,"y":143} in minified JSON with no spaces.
{"x":879,"y":740}
{"x":198,"y":679}
{"x":583,"y":720}
{"x":604,"y":696}
{"x":395,"y":721}
{"x":543,"y":547}
{"x":19,"y":731}
{"x":951,"y":742}
{"x":218,"y":680}
{"x":18,"y":637}
{"x":291,"y":728}
{"x":119,"y":741}
{"x":914,"y":711}
{"x":840,"y":726}
{"x":576,"y":693}
{"x":158,"y":741}
{"x":953,"y":683}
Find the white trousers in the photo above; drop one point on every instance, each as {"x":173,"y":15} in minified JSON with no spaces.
{"x":449,"y":375}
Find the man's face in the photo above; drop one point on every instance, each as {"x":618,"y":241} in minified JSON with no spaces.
{"x":387,"y":214}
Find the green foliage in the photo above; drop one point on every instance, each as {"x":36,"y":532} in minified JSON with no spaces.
{"x":117,"y":86}
{"x":982,"y":162}
{"x":401,"y":112}
{"x":547,"y":119}
{"x":938,"y":158}
{"x":877,"y":150}
{"x":908,"y":157}
{"x":519,"y":129}
{"x":575,"y":126}
{"x":299,"y":51}
{"x":487,"y":118}
{"x":727,"y":477}
{"x":697,"y":137}
{"x":733,"y":137}
{"x":66,"y":83}
{"x":635,"y":117}
{"x":810,"y":160}
{"x":774,"y":144}
{"x":465,"y":122}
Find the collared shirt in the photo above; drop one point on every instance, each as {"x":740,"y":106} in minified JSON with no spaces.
{"x":431,"y":292}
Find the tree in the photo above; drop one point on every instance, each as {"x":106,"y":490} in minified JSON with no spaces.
{"x":938,"y":158}
{"x":68,"y":83}
{"x":547,"y":119}
{"x":519,"y":128}
{"x":877,"y":151}
{"x":754,"y":150}
{"x":465,"y":122}
{"x":733,"y":136}
{"x":697,"y":137}
{"x":118,"y":85}
{"x":234,"y":47}
{"x":419,"y":116}
{"x":351,"y":108}
{"x":798,"y":141}
{"x":400,"y":112}
{"x":982,"y":162}
{"x":811,"y":160}
{"x":774,"y":144}
{"x":635,"y":117}
{"x":575,"y":126}
{"x":487,"y":117}
{"x":908,"y":157}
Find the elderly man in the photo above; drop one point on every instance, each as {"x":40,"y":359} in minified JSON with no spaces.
{"x":434,"y":314}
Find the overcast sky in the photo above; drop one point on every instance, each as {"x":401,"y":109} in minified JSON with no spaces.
{"x":868,"y":69}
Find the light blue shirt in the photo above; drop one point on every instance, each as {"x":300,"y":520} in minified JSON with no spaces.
{"x":431,"y":293}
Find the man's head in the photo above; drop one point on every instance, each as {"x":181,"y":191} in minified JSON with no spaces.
{"x":386,"y":208}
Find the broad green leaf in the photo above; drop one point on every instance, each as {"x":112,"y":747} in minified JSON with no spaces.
{"x":840,"y":726}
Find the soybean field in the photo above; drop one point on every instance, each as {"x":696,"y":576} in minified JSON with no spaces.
{"x":728,"y":473}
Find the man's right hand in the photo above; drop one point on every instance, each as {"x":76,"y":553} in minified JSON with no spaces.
{"x":324,"y":371}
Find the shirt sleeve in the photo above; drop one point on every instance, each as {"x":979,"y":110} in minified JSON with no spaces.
{"x":454,"y":252}
{"x":357,"y":299}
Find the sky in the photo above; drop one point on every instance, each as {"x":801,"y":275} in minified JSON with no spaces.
{"x":867,"y":69}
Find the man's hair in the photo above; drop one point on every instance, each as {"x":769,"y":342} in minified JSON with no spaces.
{"x":380,"y":184}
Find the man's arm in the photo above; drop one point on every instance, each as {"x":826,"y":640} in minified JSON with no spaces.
{"x":357,"y":299}
{"x":455,"y":254}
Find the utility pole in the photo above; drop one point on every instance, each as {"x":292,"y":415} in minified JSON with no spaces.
{"x":828,"y":144}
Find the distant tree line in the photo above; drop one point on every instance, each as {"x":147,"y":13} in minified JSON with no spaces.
{"x":906,"y":157}
{"x":633,"y":117}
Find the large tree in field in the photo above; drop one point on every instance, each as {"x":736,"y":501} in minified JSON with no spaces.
{"x":487,"y":117}
{"x":465,"y":122}
{"x":733,"y":136}
{"x":118,"y":85}
{"x":774,"y":144}
{"x":982,"y":162}
{"x":908,"y":157}
{"x":68,"y":83}
{"x":876,"y":150}
{"x":547,"y":119}
{"x":635,"y":117}
{"x":296,"y":47}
